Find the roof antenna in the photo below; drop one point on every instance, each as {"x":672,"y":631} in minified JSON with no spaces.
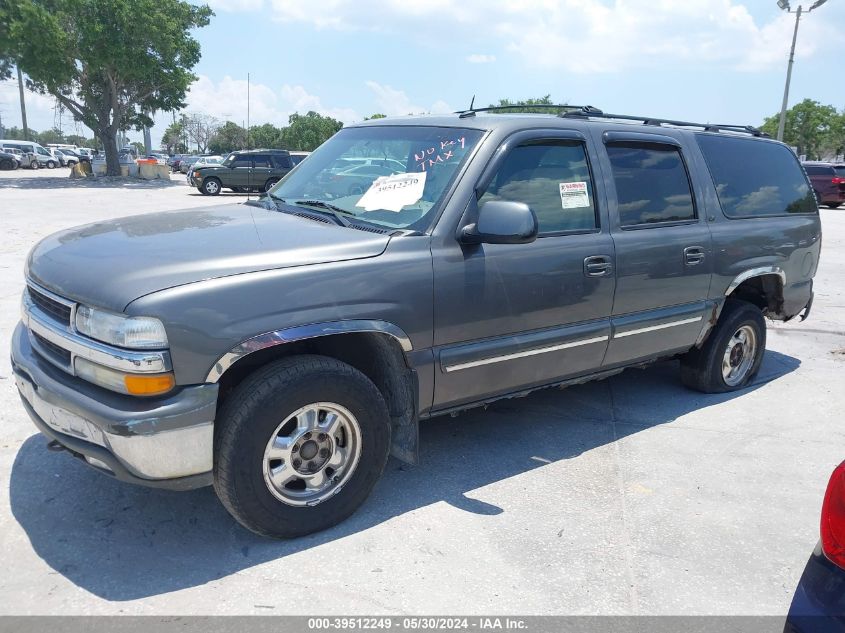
{"x":472,"y":103}
{"x":251,"y":164}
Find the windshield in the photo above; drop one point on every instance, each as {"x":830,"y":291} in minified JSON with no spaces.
{"x":390,"y":176}
{"x":839,"y":170}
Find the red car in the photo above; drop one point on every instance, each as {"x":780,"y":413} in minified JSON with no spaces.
{"x":818,"y":605}
{"x":828,"y":180}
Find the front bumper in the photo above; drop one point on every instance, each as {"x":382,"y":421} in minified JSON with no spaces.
{"x":161,"y":442}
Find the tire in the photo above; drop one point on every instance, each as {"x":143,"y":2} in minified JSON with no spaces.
{"x":237,"y":190}
{"x":71,"y":163}
{"x":7,"y":164}
{"x":261,"y":411}
{"x":270,"y":182}
{"x":833,"y":205}
{"x":210,"y":186}
{"x":34,"y":165}
{"x":51,"y":164}
{"x":724,"y":363}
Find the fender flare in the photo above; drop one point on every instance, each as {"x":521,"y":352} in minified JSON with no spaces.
{"x":303,"y":332}
{"x":760,"y":271}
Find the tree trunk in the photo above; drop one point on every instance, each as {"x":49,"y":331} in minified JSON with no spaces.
{"x":109,"y":142}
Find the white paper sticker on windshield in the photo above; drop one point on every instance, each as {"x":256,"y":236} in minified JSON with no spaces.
{"x":573,"y":195}
{"x":391,"y":193}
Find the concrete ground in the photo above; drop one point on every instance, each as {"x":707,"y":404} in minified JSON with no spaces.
{"x":628,"y":496}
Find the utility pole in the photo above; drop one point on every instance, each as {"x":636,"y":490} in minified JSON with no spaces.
{"x":23,"y":105}
{"x":784,"y":5}
{"x":782,"y":122}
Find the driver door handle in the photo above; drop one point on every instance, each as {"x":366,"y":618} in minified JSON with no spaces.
{"x":693,"y":255}
{"x":598,"y":266}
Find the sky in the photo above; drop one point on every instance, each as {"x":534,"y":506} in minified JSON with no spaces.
{"x":703,"y":60}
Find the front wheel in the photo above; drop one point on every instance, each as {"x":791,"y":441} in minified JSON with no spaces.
{"x":833,"y":205}
{"x":731,"y":356}
{"x":299,"y":445}
{"x":210,"y":186}
{"x":270,"y":182}
{"x":7,"y":164}
{"x":51,"y":164}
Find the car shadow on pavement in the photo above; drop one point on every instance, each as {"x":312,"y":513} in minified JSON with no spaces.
{"x":123,"y":542}
{"x":64,"y":182}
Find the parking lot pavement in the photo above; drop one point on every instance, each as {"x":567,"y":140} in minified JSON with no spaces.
{"x":631,"y":495}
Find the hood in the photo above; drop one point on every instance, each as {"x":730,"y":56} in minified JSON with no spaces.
{"x":110,"y":264}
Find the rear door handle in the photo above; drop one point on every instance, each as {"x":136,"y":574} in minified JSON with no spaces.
{"x":597,"y":266}
{"x":693,"y":255}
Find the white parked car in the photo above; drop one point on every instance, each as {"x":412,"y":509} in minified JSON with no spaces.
{"x":205,"y":161}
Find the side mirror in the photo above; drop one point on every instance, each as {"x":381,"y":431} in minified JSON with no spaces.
{"x":502,"y":222}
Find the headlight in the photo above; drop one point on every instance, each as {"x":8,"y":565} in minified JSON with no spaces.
{"x":121,"y":330}
{"x":132,"y":384}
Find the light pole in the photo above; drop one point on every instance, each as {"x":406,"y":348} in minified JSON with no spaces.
{"x":784,"y":4}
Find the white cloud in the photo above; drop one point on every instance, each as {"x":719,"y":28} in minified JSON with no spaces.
{"x":227,"y":100}
{"x":235,"y":5}
{"x":479,"y":58}
{"x":583,"y":36}
{"x":40,"y":114}
{"x":393,"y":102}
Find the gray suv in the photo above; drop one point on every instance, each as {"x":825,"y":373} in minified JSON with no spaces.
{"x":281,"y":350}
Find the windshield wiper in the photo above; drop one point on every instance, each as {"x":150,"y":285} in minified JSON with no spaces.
{"x":335,"y":211}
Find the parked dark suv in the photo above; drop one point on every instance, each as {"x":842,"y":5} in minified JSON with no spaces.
{"x":253,"y":170}
{"x":828,"y":180}
{"x":281,"y":349}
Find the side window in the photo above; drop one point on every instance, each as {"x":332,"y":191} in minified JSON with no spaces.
{"x":242,"y":161}
{"x":756,"y":178}
{"x":553,"y":178}
{"x":261,"y":160}
{"x":282,"y":162}
{"x":652,"y":184}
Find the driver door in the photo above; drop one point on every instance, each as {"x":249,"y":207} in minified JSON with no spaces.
{"x":514,"y":316}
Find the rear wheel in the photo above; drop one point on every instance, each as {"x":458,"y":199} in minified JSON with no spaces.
{"x":210,"y":186}
{"x":34,"y":165}
{"x":731,"y":356}
{"x":833,"y":205}
{"x":270,"y":182}
{"x":299,"y":445}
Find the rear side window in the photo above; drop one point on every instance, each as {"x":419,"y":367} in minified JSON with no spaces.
{"x":553,"y":178}
{"x":283,"y":162}
{"x":840,"y":171}
{"x":818,"y":170}
{"x":652,"y":185}
{"x":756,"y":179}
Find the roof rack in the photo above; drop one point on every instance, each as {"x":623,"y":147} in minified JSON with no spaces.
{"x":544,"y":106}
{"x":589,"y":112}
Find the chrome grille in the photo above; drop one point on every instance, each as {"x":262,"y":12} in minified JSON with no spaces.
{"x":55,"y":309}
{"x":53,"y":352}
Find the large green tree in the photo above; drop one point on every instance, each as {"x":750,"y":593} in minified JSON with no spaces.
{"x":227,"y":138}
{"x":266,"y":136}
{"x":307,"y":132}
{"x":173,"y":138}
{"x":50,"y":136}
{"x":109,"y":62}
{"x":810,"y":127}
